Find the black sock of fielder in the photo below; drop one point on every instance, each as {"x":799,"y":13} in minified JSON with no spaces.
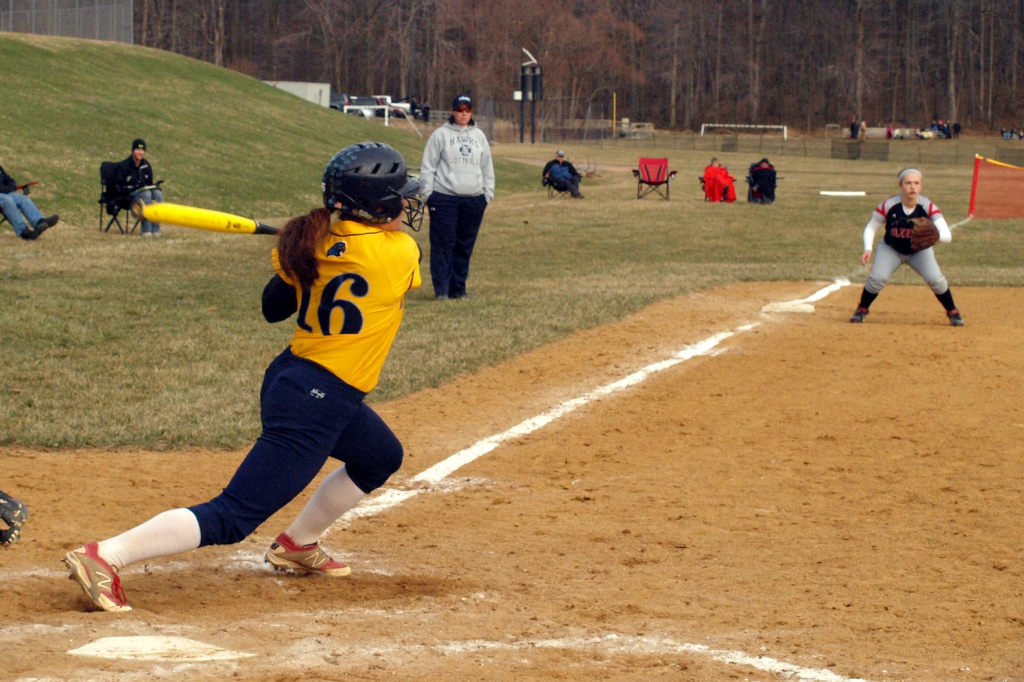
{"x":866,"y":299}
{"x":946,"y":299}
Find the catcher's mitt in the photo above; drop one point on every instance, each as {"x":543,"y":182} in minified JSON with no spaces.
{"x":14,"y":513}
{"x":924,"y":235}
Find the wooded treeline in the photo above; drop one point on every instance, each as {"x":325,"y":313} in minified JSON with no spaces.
{"x":803,"y":63}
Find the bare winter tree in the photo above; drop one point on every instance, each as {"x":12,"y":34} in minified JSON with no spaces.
{"x":211,"y":21}
{"x":757,"y":17}
{"x":672,"y":63}
{"x":859,"y":48}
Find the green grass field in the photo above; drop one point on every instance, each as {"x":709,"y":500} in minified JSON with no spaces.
{"x":113,"y":341}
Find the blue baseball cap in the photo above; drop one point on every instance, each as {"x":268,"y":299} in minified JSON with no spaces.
{"x":462,"y":100}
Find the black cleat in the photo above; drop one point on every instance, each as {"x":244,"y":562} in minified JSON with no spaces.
{"x":43,"y":225}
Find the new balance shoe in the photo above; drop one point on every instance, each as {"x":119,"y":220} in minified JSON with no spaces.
{"x":858,"y":315}
{"x":955,"y":318}
{"x":99,"y":580}
{"x":284,"y":554}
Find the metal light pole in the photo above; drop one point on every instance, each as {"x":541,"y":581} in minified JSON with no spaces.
{"x":531,"y":85}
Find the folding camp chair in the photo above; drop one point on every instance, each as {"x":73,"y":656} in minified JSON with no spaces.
{"x":23,"y":188}
{"x":556,"y":192}
{"x":555,"y":189}
{"x":112,"y":202}
{"x":761,"y":180}
{"x":653,"y":175}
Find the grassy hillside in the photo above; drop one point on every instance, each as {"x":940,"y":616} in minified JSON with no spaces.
{"x":116,"y":341}
{"x":216,"y":137}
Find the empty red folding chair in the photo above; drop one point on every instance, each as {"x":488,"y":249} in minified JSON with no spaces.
{"x":652,"y":175}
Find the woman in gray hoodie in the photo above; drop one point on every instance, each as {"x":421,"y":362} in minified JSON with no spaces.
{"x":457,"y":175}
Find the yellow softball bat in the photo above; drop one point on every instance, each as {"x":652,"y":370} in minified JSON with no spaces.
{"x":199,"y":218}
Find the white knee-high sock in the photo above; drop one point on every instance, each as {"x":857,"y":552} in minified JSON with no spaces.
{"x":169,"y":532}
{"x":335,"y":496}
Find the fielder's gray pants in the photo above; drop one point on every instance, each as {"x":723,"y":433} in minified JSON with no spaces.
{"x":887,"y":259}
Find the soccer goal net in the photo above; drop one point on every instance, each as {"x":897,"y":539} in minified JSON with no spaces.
{"x":754,"y":127}
{"x":997,"y":190}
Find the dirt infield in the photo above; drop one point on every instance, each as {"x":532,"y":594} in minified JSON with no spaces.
{"x":809,"y":499}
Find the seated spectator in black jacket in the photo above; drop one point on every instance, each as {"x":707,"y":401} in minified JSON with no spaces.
{"x":134,"y":178}
{"x":26,"y":220}
{"x":562,"y":175}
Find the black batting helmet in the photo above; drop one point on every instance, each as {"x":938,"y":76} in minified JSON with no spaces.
{"x":366,"y":182}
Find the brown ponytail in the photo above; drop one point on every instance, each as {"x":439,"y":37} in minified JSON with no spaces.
{"x":298,"y":242}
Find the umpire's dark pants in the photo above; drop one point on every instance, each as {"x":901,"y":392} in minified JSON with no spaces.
{"x":454,"y":225}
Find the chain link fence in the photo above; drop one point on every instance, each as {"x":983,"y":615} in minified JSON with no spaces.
{"x":558,"y":122}
{"x":111,"y":20}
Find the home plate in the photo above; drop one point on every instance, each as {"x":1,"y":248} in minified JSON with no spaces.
{"x":788,"y":307}
{"x":156,"y":648}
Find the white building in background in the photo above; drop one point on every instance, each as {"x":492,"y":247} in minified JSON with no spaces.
{"x":317,"y":93}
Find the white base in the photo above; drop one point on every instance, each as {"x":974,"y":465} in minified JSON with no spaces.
{"x":788,"y":307}
{"x":156,"y":648}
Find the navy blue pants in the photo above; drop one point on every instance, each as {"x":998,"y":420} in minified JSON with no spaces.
{"x":454,"y":225}
{"x":308,"y":415}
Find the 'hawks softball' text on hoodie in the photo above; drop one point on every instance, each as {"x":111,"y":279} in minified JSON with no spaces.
{"x":463,"y":163}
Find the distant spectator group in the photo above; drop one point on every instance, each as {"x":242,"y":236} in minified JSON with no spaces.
{"x":943,"y":129}
{"x":937,"y":130}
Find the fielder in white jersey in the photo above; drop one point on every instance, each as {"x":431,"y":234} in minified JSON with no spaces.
{"x":895,"y":214}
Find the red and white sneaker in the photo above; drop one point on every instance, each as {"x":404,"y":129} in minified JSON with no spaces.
{"x":284,"y":554}
{"x":99,"y":580}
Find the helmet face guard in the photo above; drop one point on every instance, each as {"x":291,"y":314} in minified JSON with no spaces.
{"x":414,"y":204}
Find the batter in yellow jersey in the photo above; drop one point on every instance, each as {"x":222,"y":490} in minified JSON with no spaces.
{"x":348,"y":319}
{"x":344,"y":269}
